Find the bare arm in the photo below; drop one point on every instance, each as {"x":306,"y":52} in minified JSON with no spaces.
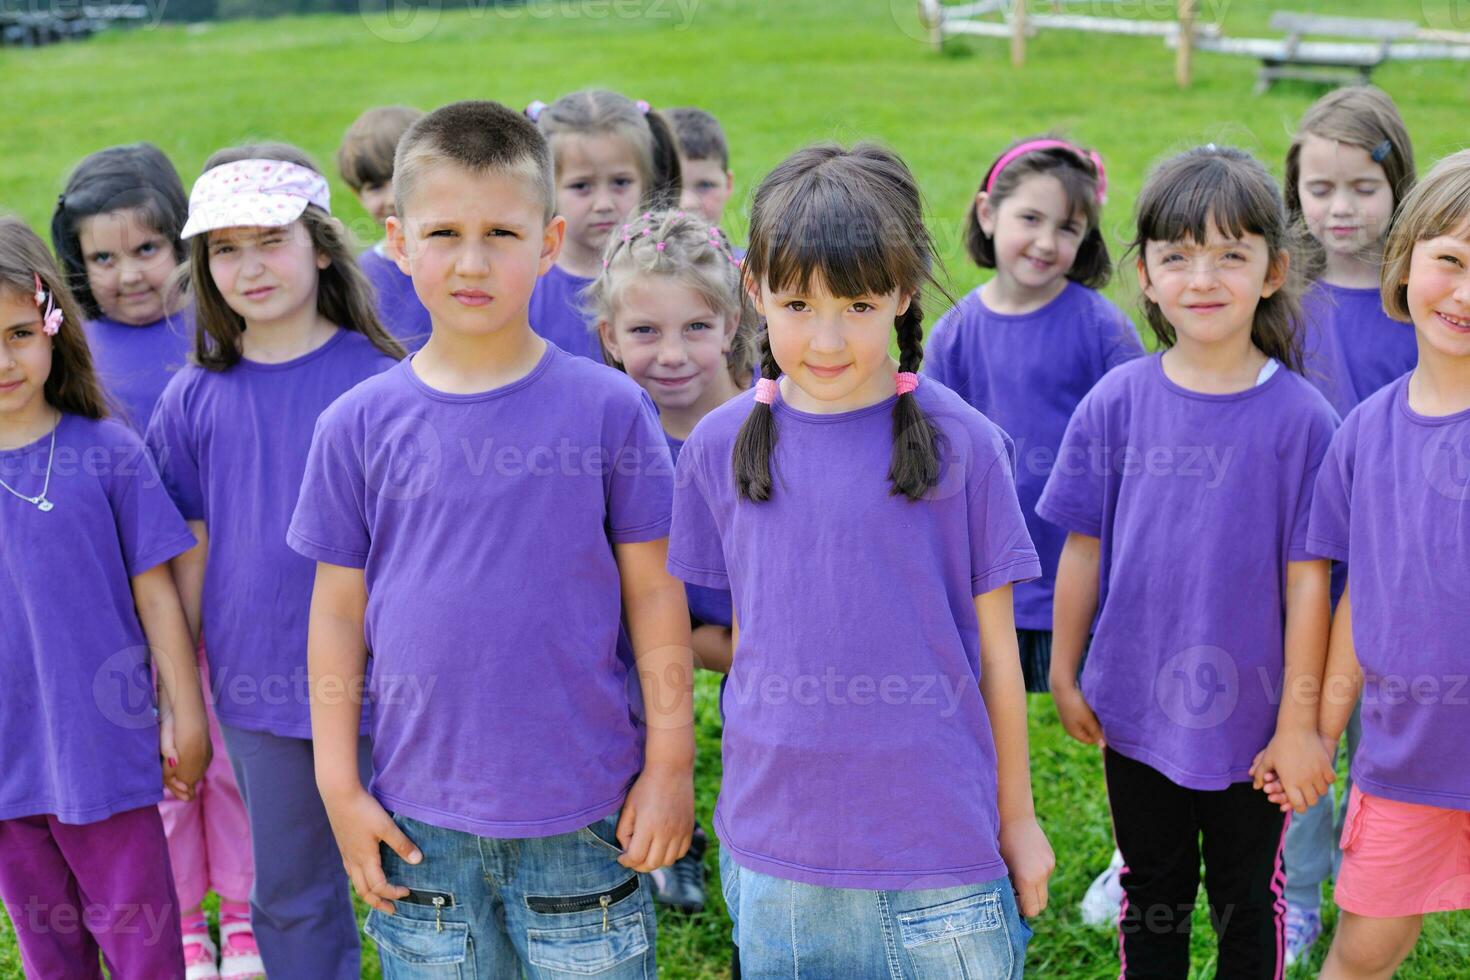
{"x":1343,"y":676}
{"x":657,"y":821}
{"x":1295,"y":752}
{"x":1073,"y":607}
{"x":714,"y":647}
{"x":180,"y":699}
{"x":1022,"y":843}
{"x":188,"y":574}
{"x":336,"y":658}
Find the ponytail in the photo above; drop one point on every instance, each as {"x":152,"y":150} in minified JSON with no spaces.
{"x":756,"y":440}
{"x":666,"y":181}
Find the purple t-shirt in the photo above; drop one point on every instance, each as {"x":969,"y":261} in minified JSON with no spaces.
{"x":76,"y":716}
{"x":232,"y":447}
{"x":1351,"y":347}
{"x":399,"y":307}
{"x":485,"y":526}
{"x":712,"y":606}
{"x":1200,"y":501}
{"x":857,"y":748}
{"x":1393,"y":500}
{"x":135,"y":363}
{"x":556,"y":314}
{"x":1027,"y":373}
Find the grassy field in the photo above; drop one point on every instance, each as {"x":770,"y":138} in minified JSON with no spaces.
{"x":777,"y":75}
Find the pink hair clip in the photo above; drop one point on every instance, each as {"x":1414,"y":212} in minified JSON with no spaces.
{"x":660,"y":246}
{"x":904,"y":382}
{"x":765,"y":391}
{"x":643,"y":106}
{"x":534,"y":110}
{"x":50,"y":312}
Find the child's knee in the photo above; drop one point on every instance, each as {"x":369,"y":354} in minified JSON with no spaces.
{"x":1366,"y":947}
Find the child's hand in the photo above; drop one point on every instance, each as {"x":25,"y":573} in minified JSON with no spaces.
{"x":184,"y":743}
{"x":1029,"y":857}
{"x":360,"y":823}
{"x":1271,"y":782}
{"x":1077,"y":717}
{"x":657,"y":822}
{"x":1297,"y":766}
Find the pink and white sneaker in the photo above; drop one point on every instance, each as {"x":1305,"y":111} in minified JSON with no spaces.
{"x":199,"y":957}
{"x":239,"y":956}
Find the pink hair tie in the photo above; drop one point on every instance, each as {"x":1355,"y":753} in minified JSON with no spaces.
{"x":765,"y":391}
{"x":660,"y":246}
{"x":534,"y":110}
{"x":904,"y":382}
{"x":1034,"y":146}
{"x":643,"y":106}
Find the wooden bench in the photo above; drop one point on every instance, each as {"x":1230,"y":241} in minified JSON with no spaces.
{"x":33,"y":28}
{"x":1332,"y":63}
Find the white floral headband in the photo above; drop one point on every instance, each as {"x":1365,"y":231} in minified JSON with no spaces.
{"x":50,"y":312}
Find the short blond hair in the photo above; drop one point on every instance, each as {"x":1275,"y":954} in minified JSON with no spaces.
{"x":1438,"y":205}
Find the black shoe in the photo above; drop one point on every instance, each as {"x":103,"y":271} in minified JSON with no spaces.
{"x":680,"y":886}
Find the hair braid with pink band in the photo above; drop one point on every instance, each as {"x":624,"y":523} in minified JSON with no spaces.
{"x":1033,"y":146}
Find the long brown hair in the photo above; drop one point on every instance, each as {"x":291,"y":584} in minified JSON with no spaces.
{"x":344,"y":295}
{"x":72,"y":386}
{"x":1230,"y":189}
{"x":854,"y":219}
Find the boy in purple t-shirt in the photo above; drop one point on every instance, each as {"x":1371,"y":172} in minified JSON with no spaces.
{"x":483,"y":515}
{"x":1393,"y":500}
{"x":365,"y":160}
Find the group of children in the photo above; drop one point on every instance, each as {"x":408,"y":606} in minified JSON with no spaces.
{"x":446,"y":528}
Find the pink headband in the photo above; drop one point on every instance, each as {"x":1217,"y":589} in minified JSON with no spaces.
{"x":1032,"y":146}
{"x":253,"y":193}
{"x":50,"y":312}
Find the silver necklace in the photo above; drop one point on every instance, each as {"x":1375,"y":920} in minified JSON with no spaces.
{"x":39,"y":501}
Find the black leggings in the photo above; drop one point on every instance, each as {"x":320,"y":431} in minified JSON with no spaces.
{"x":1159,"y":825}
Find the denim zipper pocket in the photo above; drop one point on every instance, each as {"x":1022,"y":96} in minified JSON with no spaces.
{"x":438,"y":901}
{"x":584,"y":903}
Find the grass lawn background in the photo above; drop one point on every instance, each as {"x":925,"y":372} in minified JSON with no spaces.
{"x":777,"y":75}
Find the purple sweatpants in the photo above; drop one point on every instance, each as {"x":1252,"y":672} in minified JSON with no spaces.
{"x":74,"y":889}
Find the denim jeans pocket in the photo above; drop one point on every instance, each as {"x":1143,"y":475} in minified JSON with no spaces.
{"x":590,"y":934}
{"x":414,"y":948}
{"x":966,"y":937}
{"x":604,"y":834}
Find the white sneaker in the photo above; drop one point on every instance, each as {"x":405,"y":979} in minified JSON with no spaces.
{"x":1104,"y":899}
{"x":241,"y":957}
{"x":199,"y":957}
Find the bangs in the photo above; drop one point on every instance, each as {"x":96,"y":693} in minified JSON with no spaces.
{"x":830,"y":236}
{"x":1199,"y":198}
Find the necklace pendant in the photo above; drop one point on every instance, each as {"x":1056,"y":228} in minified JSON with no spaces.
{"x":44,"y":505}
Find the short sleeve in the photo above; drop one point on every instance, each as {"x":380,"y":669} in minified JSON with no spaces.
{"x":1319,"y":438}
{"x":1120,"y":341}
{"x":1001,"y":551}
{"x":1075,"y":491}
{"x":696,"y":551}
{"x":640,"y":484}
{"x":170,"y":438}
{"x":330,"y":520}
{"x":149,"y":526}
{"x":1327,"y":532}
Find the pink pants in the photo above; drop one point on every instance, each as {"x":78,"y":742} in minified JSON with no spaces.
{"x":209,"y":836}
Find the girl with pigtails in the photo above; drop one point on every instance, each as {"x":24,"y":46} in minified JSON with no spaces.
{"x":868,"y":530}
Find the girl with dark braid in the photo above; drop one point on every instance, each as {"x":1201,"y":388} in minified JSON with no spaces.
{"x":877,"y":792}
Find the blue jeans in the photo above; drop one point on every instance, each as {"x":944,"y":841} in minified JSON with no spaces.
{"x":1312,"y":854}
{"x":484,"y":908}
{"x":788,"y":929}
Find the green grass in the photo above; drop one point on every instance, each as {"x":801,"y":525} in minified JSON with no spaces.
{"x":777,"y":75}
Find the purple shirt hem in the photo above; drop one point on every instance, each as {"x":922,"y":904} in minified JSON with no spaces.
{"x":503,"y":829}
{"x":89,"y":815}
